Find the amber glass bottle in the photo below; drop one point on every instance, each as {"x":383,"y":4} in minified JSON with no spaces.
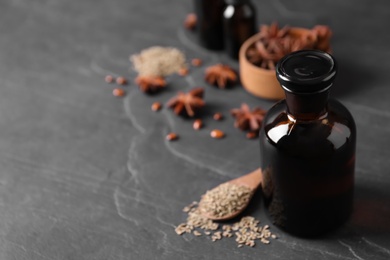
{"x":239,"y":23}
{"x":209,"y":23}
{"x":307,"y":146}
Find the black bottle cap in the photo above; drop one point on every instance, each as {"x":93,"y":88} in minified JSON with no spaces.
{"x":306,"y":72}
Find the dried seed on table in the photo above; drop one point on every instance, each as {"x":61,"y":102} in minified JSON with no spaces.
{"x":186,"y":209}
{"x":227,"y":234}
{"x":198,"y":124}
{"x":172,"y":136}
{"x":251,"y":135}
{"x":218,"y":116}
{"x":190,"y":21}
{"x":121,"y":81}
{"x":264,"y":241}
{"x":180,"y":229}
{"x":109,"y":79}
{"x":196,"y":62}
{"x":197,"y":233}
{"x":156,"y":106}
{"x":218,"y":134}
{"x":250,"y":243}
{"x":183,"y":71}
{"x":227,"y":227}
{"x":216,"y":236}
{"x":118,"y":92}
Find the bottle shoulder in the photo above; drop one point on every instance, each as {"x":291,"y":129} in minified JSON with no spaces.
{"x":335,"y":129}
{"x":336,"y":111}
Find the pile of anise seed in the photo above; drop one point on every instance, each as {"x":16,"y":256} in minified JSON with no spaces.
{"x":221,"y":201}
{"x":225,"y":199}
{"x":246,"y":231}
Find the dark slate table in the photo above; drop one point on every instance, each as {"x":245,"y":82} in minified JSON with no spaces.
{"x":84,"y":175}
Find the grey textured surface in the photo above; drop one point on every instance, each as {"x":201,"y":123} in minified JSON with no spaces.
{"x":86,"y":176}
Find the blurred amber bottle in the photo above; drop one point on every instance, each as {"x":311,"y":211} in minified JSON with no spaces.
{"x":209,"y":23}
{"x":239,"y":23}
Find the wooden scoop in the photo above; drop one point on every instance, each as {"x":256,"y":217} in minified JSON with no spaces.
{"x":251,"y":180}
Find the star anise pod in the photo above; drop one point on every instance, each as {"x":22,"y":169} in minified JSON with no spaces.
{"x":323,"y":33}
{"x":220,"y":75}
{"x":247,"y":119}
{"x":150,"y":84}
{"x":273,"y":31}
{"x":253,"y":56}
{"x":187,"y":104}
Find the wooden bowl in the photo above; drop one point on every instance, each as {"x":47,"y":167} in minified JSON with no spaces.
{"x":258,"y":81}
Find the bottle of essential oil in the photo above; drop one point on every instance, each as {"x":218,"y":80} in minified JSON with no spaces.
{"x":307,"y":146}
{"x":239,"y":23}
{"x":209,"y":23}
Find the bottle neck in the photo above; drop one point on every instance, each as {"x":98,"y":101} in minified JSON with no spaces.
{"x":307,"y":106}
{"x":236,"y":2}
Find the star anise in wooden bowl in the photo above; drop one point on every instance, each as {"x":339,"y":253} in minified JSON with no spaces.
{"x":220,"y":75}
{"x":187,"y":104}
{"x":274,"y":43}
{"x":247,"y":119}
{"x":260,"y":53}
{"x":150,"y":84}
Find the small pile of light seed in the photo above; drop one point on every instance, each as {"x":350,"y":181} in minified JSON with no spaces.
{"x":246,"y":231}
{"x":158,"y":61}
{"x":225,"y":199}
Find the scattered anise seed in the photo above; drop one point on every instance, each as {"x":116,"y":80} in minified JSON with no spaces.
{"x":109,"y":79}
{"x":220,"y":75}
{"x":181,"y":229}
{"x":183,"y":71}
{"x":196,"y":62}
{"x":171,"y":137}
{"x":187,"y":103}
{"x":150,"y":84}
{"x":121,"y":81}
{"x":156,"y":106}
{"x":251,"y":135}
{"x":118,"y":92}
{"x":218,"y":134}
{"x":198,"y":124}
{"x":197,"y":233}
{"x":246,"y":231}
{"x":190,"y":21}
{"x":218,"y":116}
